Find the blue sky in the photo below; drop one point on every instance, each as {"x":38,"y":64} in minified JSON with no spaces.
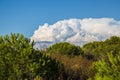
{"x":25,"y":16}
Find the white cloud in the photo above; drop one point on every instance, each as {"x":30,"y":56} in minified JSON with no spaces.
{"x":78,"y":30}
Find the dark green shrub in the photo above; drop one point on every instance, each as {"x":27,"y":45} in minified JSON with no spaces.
{"x":20,"y":61}
{"x":65,"y":48}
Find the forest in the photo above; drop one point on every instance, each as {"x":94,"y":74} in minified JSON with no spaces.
{"x":98,"y":60}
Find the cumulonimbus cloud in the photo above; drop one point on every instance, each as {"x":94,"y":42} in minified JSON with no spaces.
{"x":78,"y":30}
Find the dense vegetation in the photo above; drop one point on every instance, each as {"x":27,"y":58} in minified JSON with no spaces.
{"x":65,"y":48}
{"x":99,"y":60}
{"x":19,"y":61}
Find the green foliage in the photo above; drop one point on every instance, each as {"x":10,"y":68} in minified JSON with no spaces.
{"x":65,"y":48}
{"x":113,"y":40}
{"x":19,"y":61}
{"x":102,"y":48}
{"x":107,"y":69}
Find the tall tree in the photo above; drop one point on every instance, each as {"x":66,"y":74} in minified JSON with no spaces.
{"x":19,"y":60}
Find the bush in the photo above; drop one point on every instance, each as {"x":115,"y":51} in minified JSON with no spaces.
{"x":20,"y":61}
{"x":100,"y":49}
{"x":107,"y":69}
{"x":65,"y":48}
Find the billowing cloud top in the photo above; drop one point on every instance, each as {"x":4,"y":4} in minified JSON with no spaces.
{"x":78,"y":30}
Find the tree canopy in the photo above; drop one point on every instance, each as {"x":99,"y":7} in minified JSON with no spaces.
{"x":99,"y":60}
{"x":19,"y":60}
{"x":65,"y":48}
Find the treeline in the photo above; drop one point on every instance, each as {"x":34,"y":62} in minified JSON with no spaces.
{"x":99,"y":60}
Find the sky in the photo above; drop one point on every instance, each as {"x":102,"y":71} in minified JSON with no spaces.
{"x":25,"y":16}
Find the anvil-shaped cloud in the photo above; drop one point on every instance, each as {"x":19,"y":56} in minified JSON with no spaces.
{"x":78,"y":31}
